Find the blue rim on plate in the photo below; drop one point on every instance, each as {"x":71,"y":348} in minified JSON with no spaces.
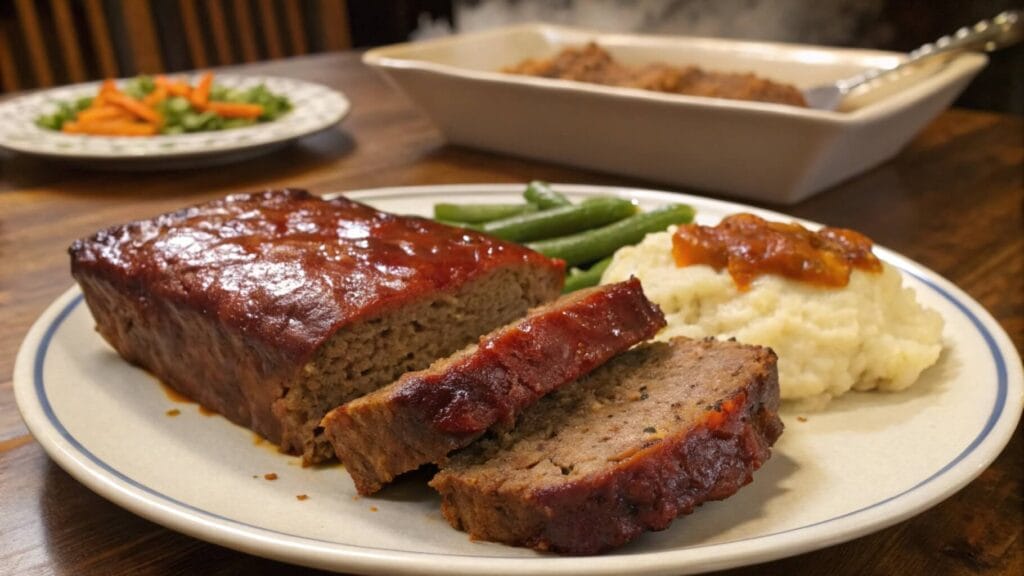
{"x":38,"y":355}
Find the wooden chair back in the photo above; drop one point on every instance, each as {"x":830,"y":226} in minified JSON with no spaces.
{"x":221,"y":32}
{"x":44,"y":43}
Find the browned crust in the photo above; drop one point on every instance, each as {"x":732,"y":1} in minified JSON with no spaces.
{"x":710,"y":460}
{"x":427,"y":414}
{"x":235,"y":337}
{"x":197,"y":357}
{"x":288,"y":268}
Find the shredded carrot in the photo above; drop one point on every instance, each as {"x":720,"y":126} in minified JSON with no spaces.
{"x":173,"y":88}
{"x":158,"y":95}
{"x":233,"y":110}
{"x":103,"y":113}
{"x":137,"y":108}
{"x":201,"y":95}
{"x":115,"y":113}
{"x":109,"y":87}
{"x":179,"y":89}
{"x":161,"y":81}
{"x":110,"y":128}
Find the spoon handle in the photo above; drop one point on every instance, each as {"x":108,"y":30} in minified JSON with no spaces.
{"x":1004,"y":30}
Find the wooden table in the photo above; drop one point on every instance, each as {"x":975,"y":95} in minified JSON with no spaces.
{"x":951,"y":201}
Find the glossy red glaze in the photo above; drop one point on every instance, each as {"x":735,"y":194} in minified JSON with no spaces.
{"x":514,"y":368}
{"x":749,"y":246}
{"x":665,"y":479}
{"x":289,"y":268}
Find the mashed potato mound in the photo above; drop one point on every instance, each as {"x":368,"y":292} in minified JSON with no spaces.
{"x":872,"y":334}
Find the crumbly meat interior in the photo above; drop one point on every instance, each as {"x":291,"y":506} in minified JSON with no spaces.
{"x":370,"y":354}
{"x":646,"y":438}
{"x":635,"y":401}
{"x":424,"y":415}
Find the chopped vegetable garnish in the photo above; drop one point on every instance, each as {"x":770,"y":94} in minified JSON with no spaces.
{"x":146,"y":106}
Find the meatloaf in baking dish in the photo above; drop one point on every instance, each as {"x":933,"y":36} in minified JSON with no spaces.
{"x":645,"y":438}
{"x":272,"y":308}
{"x":425,"y":415}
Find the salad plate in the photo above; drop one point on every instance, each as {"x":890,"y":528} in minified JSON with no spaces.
{"x":313,"y":108}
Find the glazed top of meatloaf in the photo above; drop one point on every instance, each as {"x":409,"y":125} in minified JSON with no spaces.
{"x":290,"y":268}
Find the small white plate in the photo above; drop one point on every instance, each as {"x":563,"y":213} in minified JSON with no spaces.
{"x":767,"y":152}
{"x":314,"y":108}
{"x":870,"y":460}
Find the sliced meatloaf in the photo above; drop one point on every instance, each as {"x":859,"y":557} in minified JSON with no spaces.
{"x":645,"y":438}
{"x":272,"y":308}
{"x":425,"y":415}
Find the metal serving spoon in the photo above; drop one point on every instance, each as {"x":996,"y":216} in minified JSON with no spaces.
{"x":1004,"y":30}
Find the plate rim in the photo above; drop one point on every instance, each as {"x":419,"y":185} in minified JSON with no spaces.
{"x":343,"y":108}
{"x":205,"y":525}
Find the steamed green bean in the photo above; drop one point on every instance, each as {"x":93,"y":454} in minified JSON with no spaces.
{"x":479,"y":213}
{"x":578,"y":278}
{"x":562,"y":220}
{"x":541,"y":194}
{"x":592,"y":245}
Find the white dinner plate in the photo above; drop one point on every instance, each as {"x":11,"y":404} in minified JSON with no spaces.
{"x":868,"y":461}
{"x":314,"y":108}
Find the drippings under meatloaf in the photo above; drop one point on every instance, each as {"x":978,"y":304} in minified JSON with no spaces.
{"x":593,"y":64}
{"x":272,"y":308}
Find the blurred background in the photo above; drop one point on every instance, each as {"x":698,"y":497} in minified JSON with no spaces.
{"x":50,"y":42}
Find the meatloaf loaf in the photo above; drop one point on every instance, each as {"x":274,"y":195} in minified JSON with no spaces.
{"x":645,"y":438}
{"x":272,"y":308}
{"x":425,"y":415}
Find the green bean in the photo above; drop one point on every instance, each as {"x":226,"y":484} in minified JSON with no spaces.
{"x":578,"y":278}
{"x":595,"y":244}
{"x":562,"y":220}
{"x":541,"y":194}
{"x":478,"y":213}
{"x":457,"y":224}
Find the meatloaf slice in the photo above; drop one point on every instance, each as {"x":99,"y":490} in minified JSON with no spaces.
{"x":425,"y":415}
{"x":272,"y":308}
{"x":645,"y":438}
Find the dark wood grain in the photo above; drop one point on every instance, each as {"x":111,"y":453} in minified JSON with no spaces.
{"x":953,"y":200}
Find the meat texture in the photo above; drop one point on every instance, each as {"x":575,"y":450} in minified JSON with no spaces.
{"x":425,"y":415}
{"x":595,"y":65}
{"x":272,"y":308}
{"x":647,"y":437}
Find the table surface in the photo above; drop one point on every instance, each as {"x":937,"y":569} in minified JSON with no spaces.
{"x":953,"y":201}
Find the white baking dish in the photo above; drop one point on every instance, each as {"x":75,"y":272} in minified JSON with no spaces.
{"x":767,"y":152}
